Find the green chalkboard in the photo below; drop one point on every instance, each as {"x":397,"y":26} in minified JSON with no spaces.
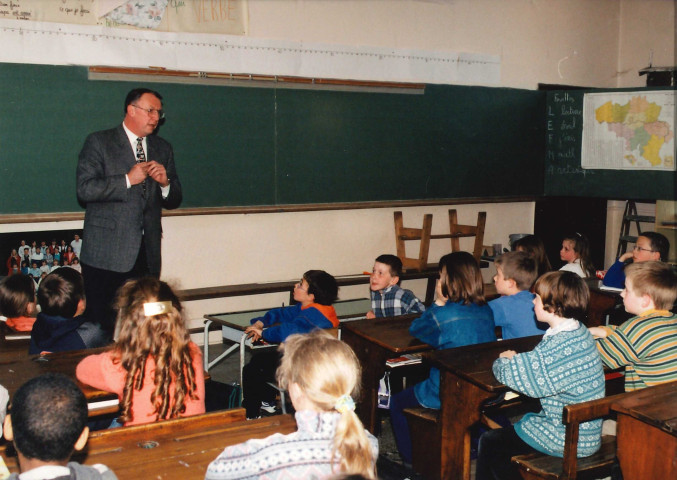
{"x":267,"y":146}
{"x":564,"y":175}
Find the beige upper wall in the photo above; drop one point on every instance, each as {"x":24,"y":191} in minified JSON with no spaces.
{"x":597,"y":43}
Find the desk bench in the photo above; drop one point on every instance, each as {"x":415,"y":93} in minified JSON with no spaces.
{"x":15,"y":371}
{"x":173,"y":449}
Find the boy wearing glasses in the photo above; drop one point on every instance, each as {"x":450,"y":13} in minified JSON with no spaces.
{"x":315,"y":294}
{"x":650,"y":246}
{"x":647,"y":343}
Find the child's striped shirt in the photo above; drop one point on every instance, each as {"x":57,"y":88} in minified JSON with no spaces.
{"x":646,"y":345}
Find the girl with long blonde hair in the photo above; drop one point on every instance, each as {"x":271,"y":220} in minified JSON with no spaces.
{"x":153,"y":367}
{"x":322,"y":375}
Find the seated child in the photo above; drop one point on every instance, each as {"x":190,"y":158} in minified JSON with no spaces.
{"x":514,"y":310}
{"x":321,"y":374}
{"x":55,"y":265}
{"x":650,"y":246}
{"x":34,"y":271}
{"x":387,"y":298}
{"x":44,"y":268}
{"x":153,"y":367}
{"x":563,"y":369}
{"x":533,"y":245}
{"x":48,"y":421}
{"x":646,"y":344}
{"x":25,"y":270}
{"x":17,"y":302}
{"x":61,"y":297}
{"x":315,"y":294}
{"x":460,"y":316}
{"x":576,"y":252}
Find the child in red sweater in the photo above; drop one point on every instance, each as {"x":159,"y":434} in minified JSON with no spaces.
{"x":153,"y":367}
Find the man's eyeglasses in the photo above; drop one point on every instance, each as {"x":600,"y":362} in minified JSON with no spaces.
{"x":151,"y":111}
{"x":637,"y":248}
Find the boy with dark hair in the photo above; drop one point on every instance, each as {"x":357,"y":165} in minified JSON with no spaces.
{"x":650,"y":247}
{"x":48,"y":421}
{"x":516,"y":272}
{"x":17,"y":302}
{"x":61,"y":297}
{"x":388,"y":299}
{"x":315,"y":294}
{"x":646,"y":345}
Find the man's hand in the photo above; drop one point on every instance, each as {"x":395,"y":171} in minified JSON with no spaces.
{"x":137,"y":174}
{"x":157,"y":172}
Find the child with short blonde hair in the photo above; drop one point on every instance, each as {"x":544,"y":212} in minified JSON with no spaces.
{"x":647,"y":343}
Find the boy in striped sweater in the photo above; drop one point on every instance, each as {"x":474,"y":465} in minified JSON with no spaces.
{"x":646,"y":344}
{"x":563,"y":369}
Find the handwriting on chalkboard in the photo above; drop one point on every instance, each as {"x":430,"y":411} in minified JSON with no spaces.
{"x":563,"y":126}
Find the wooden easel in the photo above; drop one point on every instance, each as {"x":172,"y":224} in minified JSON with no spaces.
{"x":423,"y":234}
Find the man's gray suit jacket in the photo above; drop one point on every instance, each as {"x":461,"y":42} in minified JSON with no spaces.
{"x":116,"y":217}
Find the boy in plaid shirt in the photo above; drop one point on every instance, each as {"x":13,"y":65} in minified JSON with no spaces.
{"x":387,"y":298}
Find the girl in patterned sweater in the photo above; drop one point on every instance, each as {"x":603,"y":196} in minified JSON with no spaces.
{"x":563,"y":369}
{"x":322,"y":375}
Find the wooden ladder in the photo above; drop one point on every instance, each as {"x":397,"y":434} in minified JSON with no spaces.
{"x":629,"y":216}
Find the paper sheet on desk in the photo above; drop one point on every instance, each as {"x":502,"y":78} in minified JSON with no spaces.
{"x":610,"y":289}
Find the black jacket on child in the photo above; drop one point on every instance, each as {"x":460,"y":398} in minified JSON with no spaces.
{"x":55,"y":334}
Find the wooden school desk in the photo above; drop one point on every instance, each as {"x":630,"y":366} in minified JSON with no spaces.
{"x":374,"y":341}
{"x":467,"y":380}
{"x":377,"y":340}
{"x":647,"y":433}
{"x":233,"y":325}
{"x":177,"y":449}
{"x":14,"y":372}
{"x":602,"y":302}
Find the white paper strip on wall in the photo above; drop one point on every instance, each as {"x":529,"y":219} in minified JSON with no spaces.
{"x":52,"y":43}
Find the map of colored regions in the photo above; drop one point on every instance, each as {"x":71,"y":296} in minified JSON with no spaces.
{"x":629,"y":130}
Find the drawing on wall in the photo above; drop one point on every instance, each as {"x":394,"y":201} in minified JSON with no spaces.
{"x":192,"y":16}
{"x":629,"y":130}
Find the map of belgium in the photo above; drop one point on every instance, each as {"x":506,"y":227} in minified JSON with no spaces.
{"x":644,"y":124}
{"x":638,"y":123}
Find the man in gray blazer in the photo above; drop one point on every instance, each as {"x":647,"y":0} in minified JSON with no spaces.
{"x":125,"y":176}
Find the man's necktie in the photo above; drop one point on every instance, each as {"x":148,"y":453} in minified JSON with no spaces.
{"x":141,"y":157}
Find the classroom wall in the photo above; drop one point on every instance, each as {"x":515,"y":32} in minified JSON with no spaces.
{"x":599,"y":43}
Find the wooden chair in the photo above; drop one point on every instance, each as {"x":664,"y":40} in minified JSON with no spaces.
{"x":542,"y":466}
{"x":423,"y":234}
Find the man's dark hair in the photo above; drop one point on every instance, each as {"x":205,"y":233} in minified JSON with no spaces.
{"x":16,"y":292}
{"x":60,"y":292}
{"x":393,"y":262}
{"x":135,"y":94}
{"x":322,"y":285}
{"x":48,"y":414}
{"x":659,"y":243}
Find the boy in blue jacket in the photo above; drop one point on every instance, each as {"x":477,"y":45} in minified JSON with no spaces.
{"x":315,"y":294}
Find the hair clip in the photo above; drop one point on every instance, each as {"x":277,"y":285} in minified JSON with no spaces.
{"x":150,"y":309}
{"x":344,"y":403}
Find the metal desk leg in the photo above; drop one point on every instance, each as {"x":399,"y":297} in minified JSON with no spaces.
{"x":207,"y":363}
